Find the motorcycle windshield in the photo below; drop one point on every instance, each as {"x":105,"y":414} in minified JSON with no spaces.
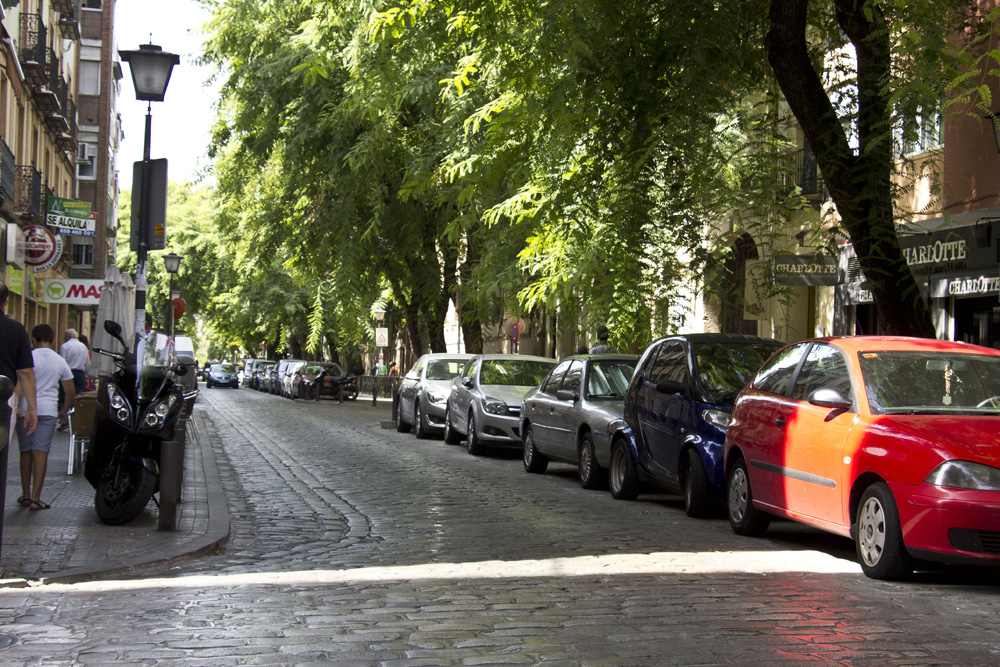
{"x":158,"y":358}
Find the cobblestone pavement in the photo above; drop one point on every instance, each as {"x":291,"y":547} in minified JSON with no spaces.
{"x":352,"y":544}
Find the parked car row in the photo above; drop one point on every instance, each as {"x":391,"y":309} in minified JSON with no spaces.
{"x":298,"y":378}
{"x":893,"y":442}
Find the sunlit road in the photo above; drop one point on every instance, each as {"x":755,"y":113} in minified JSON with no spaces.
{"x":354,"y":544}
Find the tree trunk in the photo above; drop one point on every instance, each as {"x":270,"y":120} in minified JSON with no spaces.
{"x":860,"y":185}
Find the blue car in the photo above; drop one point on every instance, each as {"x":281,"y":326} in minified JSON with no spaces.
{"x":677,"y":409}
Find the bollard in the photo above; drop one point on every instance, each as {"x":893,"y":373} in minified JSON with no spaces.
{"x":374,"y":391}
{"x":172,"y":476}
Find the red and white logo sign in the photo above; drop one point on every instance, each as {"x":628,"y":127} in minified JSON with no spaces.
{"x":42,"y":248}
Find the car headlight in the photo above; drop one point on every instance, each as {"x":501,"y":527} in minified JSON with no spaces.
{"x":717,"y":418}
{"x":120,"y":410}
{"x":614,"y":425}
{"x":437,"y":397}
{"x":158,"y":413}
{"x":495,"y":407}
{"x":965,"y":475}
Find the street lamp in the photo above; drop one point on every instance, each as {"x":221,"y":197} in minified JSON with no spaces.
{"x":151,"y":67}
{"x":172,"y":263}
{"x":995,"y":119}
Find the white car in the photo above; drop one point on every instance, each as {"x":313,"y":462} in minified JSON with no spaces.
{"x":485,"y":400}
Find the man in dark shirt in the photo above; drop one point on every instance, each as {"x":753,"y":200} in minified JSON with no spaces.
{"x":15,"y":360}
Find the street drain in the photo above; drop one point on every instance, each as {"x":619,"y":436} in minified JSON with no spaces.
{"x":7,"y":641}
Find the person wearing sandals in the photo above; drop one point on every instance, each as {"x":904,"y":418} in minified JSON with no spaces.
{"x":51,"y":371}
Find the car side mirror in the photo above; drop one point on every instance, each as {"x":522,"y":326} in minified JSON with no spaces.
{"x":830,"y":398}
{"x":467,"y":382}
{"x":671,"y":387}
{"x":567,"y":395}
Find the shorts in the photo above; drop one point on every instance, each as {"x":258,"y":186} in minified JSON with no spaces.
{"x":41,"y":439}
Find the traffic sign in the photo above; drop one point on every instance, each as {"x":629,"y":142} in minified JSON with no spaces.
{"x":382,"y":336}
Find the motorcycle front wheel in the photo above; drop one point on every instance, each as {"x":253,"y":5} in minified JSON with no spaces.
{"x":121,"y":497}
{"x":351,"y":392}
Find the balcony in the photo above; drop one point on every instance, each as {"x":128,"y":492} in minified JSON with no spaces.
{"x":7,"y":177}
{"x":67,"y":140}
{"x":799,"y":170}
{"x":55,"y":119}
{"x":28,"y":192}
{"x":33,"y":51}
{"x":69,"y":18}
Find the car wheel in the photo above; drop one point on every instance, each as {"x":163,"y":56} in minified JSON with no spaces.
{"x":743,"y":516}
{"x":451,"y":436}
{"x":699,"y":499}
{"x":590,"y":473}
{"x":419,"y":429}
{"x":401,"y":425}
{"x":534,"y":461}
{"x":878,"y":536}
{"x":623,"y":478}
{"x":472,"y":441}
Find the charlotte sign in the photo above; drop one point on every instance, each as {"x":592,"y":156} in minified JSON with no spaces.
{"x":71,"y":217}
{"x":67,"y":290}
{"x":805,"y":270}
{"x":42,"y":249}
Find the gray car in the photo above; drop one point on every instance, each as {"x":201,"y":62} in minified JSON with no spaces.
{"x":423,"y":392}
{"x":484,"y":405}
{"x":570,"y":417}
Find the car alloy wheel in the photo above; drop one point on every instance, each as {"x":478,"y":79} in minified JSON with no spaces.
{"x":472,"y":442}
{"x":419,"y":429}
{"x":589,"y":471}
{"x":743,"y":516}
{"x":878,"y":536}
{"x":401,"y":425}
{"x":451,"y":436}
{"x":534,"y":461}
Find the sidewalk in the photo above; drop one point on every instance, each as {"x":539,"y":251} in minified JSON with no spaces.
{"x":69,"y":543}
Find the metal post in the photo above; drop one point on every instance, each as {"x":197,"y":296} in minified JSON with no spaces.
{"x":139,"y":323}
{"x":172,"y":476}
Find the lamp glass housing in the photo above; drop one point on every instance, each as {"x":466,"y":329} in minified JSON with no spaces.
{"x":151,"y":67}
{"x":172,"y":262}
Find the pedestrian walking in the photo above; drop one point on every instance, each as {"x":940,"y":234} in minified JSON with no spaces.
{"x":393,"y":369}
{"x":16,"y":363}
{"x":602,"y":342}
{"x":51,"y":372}
{"x":77,"y":356}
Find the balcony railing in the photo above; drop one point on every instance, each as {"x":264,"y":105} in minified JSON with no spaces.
{"x":7,"y":175}
{"x":69,"y":18}
{"x":33,"y":51}
{"x":67,"y":140}
{"x":801,"y":171}
{"x":28,"y":192}
{"x":56,"y":118}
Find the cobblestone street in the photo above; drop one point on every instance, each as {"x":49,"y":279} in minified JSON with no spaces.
{"x":355,"y":544}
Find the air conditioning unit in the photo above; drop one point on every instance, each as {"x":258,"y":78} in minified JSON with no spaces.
{"x":83,"y":153}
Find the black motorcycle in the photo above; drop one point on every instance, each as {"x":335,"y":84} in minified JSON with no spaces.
{"x":137,"y":410}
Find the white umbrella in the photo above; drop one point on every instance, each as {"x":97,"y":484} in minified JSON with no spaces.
{"x":117,"y":304}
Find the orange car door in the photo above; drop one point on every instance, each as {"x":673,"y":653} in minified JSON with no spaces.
{"x":811,"y":476}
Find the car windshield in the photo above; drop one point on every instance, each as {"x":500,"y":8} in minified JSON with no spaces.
{"x":609,"y":379}
{"x":723,"y":368}
{"x":902,"y":382}
{"x":444,"y":369}
{"x":224,"y":368}
{"x":514,"y":372}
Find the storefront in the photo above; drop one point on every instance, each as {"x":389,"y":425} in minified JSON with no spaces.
{"x":957,"y":267}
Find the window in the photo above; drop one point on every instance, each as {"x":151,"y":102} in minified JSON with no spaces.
{"x":552,"y":384}
{"x":824,"y":368}
{"x":776,"y":374}
{"x":83,"y":252}
{"x":92,"y":4}
{"x":90,"y":77}
{"x":573,"y":377}
{"x":86,"y":161}
{"x":671,"y":363}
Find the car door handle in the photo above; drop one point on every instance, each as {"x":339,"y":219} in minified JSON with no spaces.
{"x":780,"y":422}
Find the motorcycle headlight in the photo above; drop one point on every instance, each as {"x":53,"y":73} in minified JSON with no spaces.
{"x":158,"y":413}
{"x":119,"y":408}
{"x":495,"y":407}
{"x":716,"y":418}
{"x":965,"y":475}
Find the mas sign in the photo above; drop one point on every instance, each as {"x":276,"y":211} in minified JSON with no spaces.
{"x":67,"y":290}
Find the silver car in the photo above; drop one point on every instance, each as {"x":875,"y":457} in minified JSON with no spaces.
{"x":423,"y":393}
{"x":570,"y":417}
{"x":485,"y":400}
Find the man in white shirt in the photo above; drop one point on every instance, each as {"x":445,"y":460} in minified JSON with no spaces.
{"x":51,"y":372}
{"x":77,"y":356}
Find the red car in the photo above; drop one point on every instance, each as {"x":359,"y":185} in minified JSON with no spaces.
{"x":892,"y":441}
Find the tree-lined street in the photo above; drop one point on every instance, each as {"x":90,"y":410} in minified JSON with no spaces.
{"x":355,"y":544}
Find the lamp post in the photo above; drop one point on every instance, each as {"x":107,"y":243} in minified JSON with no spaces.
{"x":995,"y":120}
{"x":151,"y":67}
{"x":172,"y":263}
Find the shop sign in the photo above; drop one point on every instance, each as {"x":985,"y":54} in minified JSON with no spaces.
{"x":71,"y":217}
{"x":15,"y":281}
{"x":42,"y":248}
{"x":67,"y":290}
{"x":805,"y":270}
{"x":973,"y":286}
